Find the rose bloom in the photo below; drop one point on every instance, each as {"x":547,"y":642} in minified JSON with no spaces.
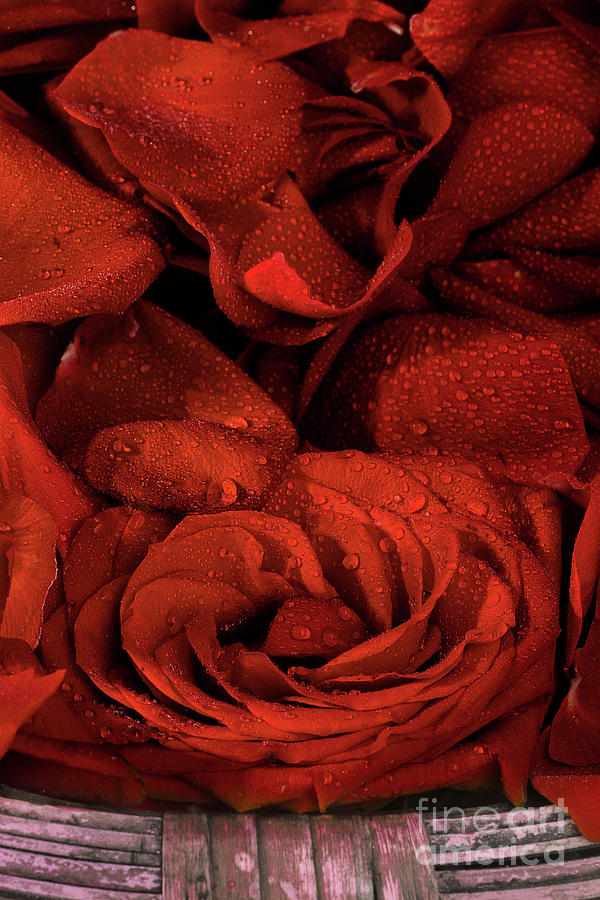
{"x":408,"y":207}
{"x":383,"y":625}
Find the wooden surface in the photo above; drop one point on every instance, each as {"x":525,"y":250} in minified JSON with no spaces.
{"x":58,"y":851}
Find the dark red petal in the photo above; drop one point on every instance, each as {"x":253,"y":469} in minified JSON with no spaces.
{"x":540,"y":66}
{"x":23,"y":690}
{"x":575,"y":730}
{"x":152,"y":412}
{"x":508,"y":279}
{"x":290,"y":261}
{"x":448,"y":30}
{"x":578,"y":276}
{"x":79,"y":784}
{"x":512,"y":741}
{"x":70,"y":248}
{"x":578,"y":346}
{"x":575,"y":789}
{"x":26,"y":464}
{"x":80,"y":712}
{"x":27,"y":566}
{"x":465,"y":387}
{"x":307,"y":627}
{"x":58,"y":49}
{"x":564,"y":219}
{"x":585,"y":570}
{"x":39,"y":14}
{"x":41,"y":348}
{"x":214,"y":88}
{"x":165,"y":16}
{"x":296,"y":27}
{"x":508,"y":156}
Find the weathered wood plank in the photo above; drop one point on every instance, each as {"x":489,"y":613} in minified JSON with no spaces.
{"x":540,"y":834}
{"x":12,"y":886}
{"x":186,"y":856}
{"x":573,"y":891}
{"x":343,"y":853}
{"x":497,"y":817}
{"x":88,"y":818}
{"x":73,"y":834}
{"x":80,"y":872}
{"x":234,"y":850}
{"x":79,"y":851}
{"x":401,"y":858}
{"x":286,"y":858}
{"x":572,"y":871}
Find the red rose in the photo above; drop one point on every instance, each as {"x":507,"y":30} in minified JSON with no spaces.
{"x":383,"y":625}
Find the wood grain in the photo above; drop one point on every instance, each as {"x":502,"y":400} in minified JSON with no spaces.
{"x":236,"y":864}
{"x":401,"y":859}
{"x":186,"y":865}
{"x":286,"y":858}
{"x":343,"y":852}
{"x":51,"y":850}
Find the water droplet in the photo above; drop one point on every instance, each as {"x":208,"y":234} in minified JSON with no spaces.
{"x":237,"y":422}
{"x":416,"y":503}
{"x":351,"y":561}
{"x":300,"y":632}
{"x":221,"y":493}
{"x":477,"y":507}
{"x":419,"y":426}
{"x":330,"y":637}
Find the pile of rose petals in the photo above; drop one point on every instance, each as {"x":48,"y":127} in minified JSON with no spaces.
{"x":300,"y":401}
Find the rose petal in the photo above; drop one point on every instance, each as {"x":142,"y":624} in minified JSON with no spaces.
{"x":508,"y":157}
{"x":39,"y":14}
{"x":574,"y":789}
{"x":26,"y":464}
{"x":60,"y":48}
{"x":540,"y":66}
{"x":108,"y":546}
{"x":165,"y":16}
{"x":293,"y":631}
{"x":28,"y":566}
{"x":578,"y":347}
{"x":564,"y":219}
{"x":447,"y":31}
{"x":73,"y":248}
{"x":23,"y":690}
{"x":465,"y":387}
{"x":296,"y":27}
{"x":129,"y":391}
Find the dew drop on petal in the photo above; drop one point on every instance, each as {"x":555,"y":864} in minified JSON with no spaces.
{"x":300,"y":632}
{"x":351,"y":561}
{"x":221,"y":493}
